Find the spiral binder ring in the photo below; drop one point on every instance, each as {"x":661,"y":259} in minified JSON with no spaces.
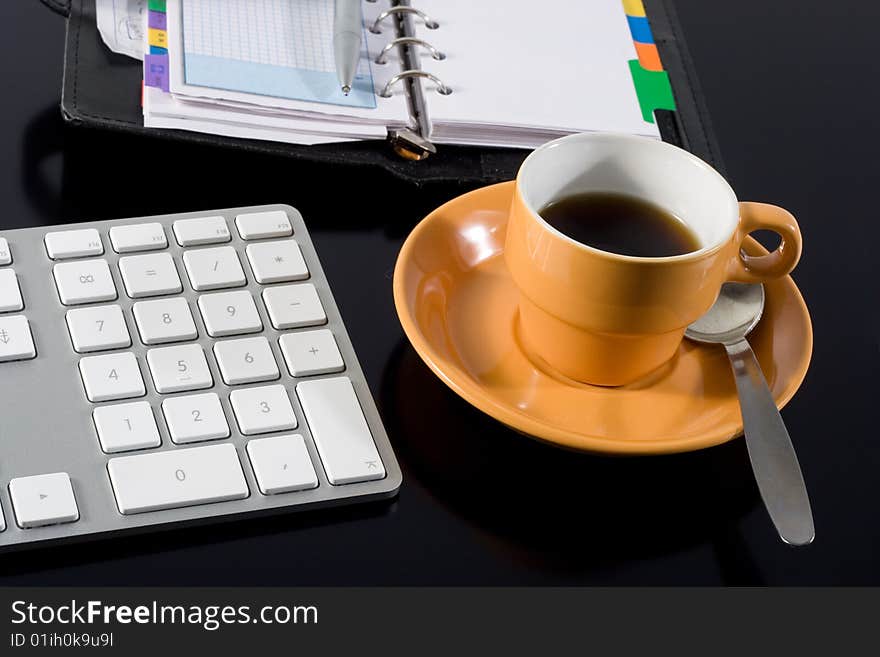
{"x":413,"y":73}
{"x":430,"y":23}
{"x":383,"y":59}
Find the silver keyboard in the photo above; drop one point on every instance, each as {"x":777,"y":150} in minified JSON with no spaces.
{"x":175,"y":369}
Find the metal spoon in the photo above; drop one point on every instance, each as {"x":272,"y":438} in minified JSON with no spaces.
{"x":774,"y":462}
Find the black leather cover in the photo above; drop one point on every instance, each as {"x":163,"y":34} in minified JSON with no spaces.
{"x":102,"y":88}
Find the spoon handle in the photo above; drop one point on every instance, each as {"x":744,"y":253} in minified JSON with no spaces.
{"x":774,"y":461}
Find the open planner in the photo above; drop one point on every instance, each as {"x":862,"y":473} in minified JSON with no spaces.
{"x":488,"y":73}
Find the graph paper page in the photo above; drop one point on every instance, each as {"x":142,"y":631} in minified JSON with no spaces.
{"x":278,"y":48}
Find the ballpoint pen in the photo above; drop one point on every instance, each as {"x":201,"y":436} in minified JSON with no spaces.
{"x":347,"y":30}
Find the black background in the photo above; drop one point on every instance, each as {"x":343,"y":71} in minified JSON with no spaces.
{"x":791,"y":87}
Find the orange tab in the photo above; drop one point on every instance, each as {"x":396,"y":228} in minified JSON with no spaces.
{"x":649,"y":56}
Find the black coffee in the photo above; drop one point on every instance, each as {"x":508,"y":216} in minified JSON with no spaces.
{"x":620,"y":224}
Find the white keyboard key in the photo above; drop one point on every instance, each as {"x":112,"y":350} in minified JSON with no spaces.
{"x":246,"y":361}
{"x":261,"y":225}
{"x":195,"y":417}
{"x":164,"y":320}
{"x":311,"y":352}
{"x":282,"y":464}
{"x":138,"y":237}
{"x":2,"y":521}
{"x":277,"y":262}
{"x":16,"y":341}
{"x":178,"y":369}
{"x":149,"y":275}
{"x":203,"y":230}
{"x":214,"y":269}
{"x":294,"y":306}
{"x":176,"y":478}
{"x":262,"y":410}
{"x":87,"y":281}
{"x":341,"y":434}
{"x":43,"y":500}
{"x":5,"y":259}
{"x":97,"y":328}
{"x":230,"y":313}
{"x":126,"y":427}
{"x":10,"y":294}
{"x":111,"y":377}
{"x":66,"y":244}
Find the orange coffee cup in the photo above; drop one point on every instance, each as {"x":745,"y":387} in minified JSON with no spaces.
{"x":609,"y":319}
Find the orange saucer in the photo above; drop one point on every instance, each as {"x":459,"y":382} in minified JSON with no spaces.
{"x":458,"y":307}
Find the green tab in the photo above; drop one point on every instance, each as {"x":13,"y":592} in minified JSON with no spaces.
{"x":653,"y":90}
{"x":156,"y":5}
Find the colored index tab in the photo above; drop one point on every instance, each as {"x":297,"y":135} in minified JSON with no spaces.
{"x":640,"y":29}
{"x":156,"y":71}
{"x":633,"y":8}
{"x":157,"y":20}
{"x":156,"y":5}
{"x":158,"y":38}
{"x":652,"y":89}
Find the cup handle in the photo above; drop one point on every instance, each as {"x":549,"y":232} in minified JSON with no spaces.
{"x":747,"y":268}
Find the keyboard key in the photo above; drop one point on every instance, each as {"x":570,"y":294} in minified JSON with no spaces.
{"x":294,"y":306}
{"x":341,"y":434}
{"x":178,"y":369}
{"x":311,"y":352}
{"x":164,"y":320}
{"x":262,"y":410}
{"x":246,"y":361}
{"x":126,"y":427}
{"x":97,"y":328}
{"x":203,"y":230}
{"x":16,"y":341}
{"x":194,"y":418}
{"x":5,"y":259}
{"x":176,"y":478}
{"x":138,"y":237}
{"x":277,"y":262}
{"x":88,"y":281}
{"x":43,"y":500}
{"x":282,"y":464}
{"x":214,"y":269}
{"x":66,"y":244}
{"x":111,"y":377}
{"x":2,"y":521}
{"x":261,"y":225}
{"x":230,"y":313}
{"x":149,"y":275}
{"x":10,"y":294}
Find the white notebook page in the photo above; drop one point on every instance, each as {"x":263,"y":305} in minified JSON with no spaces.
{"x":560,"y":66}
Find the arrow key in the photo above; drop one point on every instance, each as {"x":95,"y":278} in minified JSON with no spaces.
{"x":43,"y":500}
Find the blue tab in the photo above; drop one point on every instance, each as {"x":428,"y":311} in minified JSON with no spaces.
{"x":640,"y":29}
{"x":156,"y":50}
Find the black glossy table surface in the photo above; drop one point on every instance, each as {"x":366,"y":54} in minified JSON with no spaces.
{"x":791,"y":89}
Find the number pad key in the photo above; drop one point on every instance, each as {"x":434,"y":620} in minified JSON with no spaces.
{"x":311,"y":352}
{"x":87,"y":281}
{"x":111,"y":377}
{"x":214,"y":269}
{"x":126,"y":427}
{"x":282,"y":464}
{"x":164,"y":320}
{"x":149,"y":275}
{"x":294,"y":306}
{"x":230,"y":313}
{"x":97,"y":329}
{"x":16,"y":341}
{"x":277,"y":262}
{"x":246,"y":361}
{"x":178,"y":369}
{"x":195,"y":417}
{"x":10,"y":294}
{"x":262,"y":410}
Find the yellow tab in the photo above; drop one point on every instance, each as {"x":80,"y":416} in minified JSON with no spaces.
{"x":158,"y":38}
{"x":633,"y":8}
